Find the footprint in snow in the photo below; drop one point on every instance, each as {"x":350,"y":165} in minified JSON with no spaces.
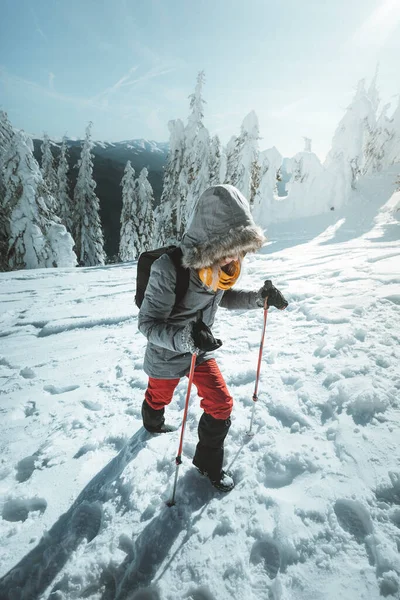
{"x":30,"y":409}
{"x":280,"y":472}
{"x":91,"y":405}
{"x":266,"y":553}
{"x":54,"y":390}
{"x":353,"y":517}
{"x":25,"y":468}
{"x":27,"y":373}
{"x":85,"y":449}
{"x":18,"y":509}
{"x":201,"y":593}
{"x":390,"y":493}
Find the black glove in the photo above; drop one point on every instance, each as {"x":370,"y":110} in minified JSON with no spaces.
{"x":275,"y":298}
{"x":203,"y":338}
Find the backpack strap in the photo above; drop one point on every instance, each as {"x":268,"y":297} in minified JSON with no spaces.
{"x":182,"y":274}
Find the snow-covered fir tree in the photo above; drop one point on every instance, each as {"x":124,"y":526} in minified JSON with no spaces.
{"x":345,"y":160}
{"x":137,"y":221}
{"x":173,"y":198}
{"x":243,"y":166}
{"x":195,"y":176}
{"x":6,"y":135}
{"x":87,"y":230}
{"x":63,"y":191}
{"x":306,"y":189}
{"x":379,"y":138}
{"x":145,"y":196}
{"x":393,"y":145}
{"x":48,"y":170}
{"x":129,"y":245}
{"x":35,"y":239}
{"x":215,"y":161}
{"x":263,"y":206}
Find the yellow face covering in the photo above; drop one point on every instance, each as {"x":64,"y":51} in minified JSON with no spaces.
{"x":220,"y":278}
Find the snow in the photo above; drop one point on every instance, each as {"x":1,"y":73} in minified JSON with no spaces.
{"x":316,"y":508}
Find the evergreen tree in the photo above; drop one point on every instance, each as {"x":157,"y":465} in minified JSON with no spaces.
{"x":87,"y":232}
{"x":145,"y":201}
{"x":129,"y":246}
{"x":63,"y":193}
{"x":6,"y":135}
{"x":137,"y":221}
{"x":35,"y":240}
{"x":172,"y":204}
{"x":243,"y":166}
{"x":393,"y":144}
{"x":215,"y":161}
{"x":345,"y":161}
{"x":377,"y":142}
{"x":48,"y":171}
{"x":195,"y":177}
{"x":270,"y":163}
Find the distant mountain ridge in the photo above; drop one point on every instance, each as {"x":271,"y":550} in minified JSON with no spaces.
{"x":110,"y":159}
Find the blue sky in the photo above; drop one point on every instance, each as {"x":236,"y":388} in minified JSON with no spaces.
{"x":129,"y":65}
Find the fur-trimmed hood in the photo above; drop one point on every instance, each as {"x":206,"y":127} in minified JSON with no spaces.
{"x":221,"y":225}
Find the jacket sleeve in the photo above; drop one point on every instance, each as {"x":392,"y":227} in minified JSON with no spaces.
{"x":157,"y":305}
{"x":240,"y":299}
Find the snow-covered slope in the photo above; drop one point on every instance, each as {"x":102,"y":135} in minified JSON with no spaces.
{"x":315,"y":514}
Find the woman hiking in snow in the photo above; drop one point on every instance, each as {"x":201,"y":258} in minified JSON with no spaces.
{"x":220,"y":233}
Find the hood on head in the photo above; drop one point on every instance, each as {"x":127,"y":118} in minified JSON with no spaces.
{"x":221,"y":225}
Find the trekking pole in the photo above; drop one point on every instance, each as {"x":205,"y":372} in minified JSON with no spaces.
{"x":255,"y":395}
{"x":178,"y":459}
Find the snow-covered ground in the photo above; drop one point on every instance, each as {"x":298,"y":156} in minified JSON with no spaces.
{"x":315,"y":514}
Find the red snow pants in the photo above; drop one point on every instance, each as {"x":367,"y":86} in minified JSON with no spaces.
{"x":211,"y":387}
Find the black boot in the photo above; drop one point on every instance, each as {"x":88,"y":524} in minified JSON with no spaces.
{"x":209,"y":455}
{"x":153,"y":420}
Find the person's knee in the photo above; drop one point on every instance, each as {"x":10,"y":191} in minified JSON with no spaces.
{"x":212,"y":431}
{"x":220,"y":410}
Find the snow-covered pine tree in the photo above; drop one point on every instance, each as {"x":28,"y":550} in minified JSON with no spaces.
{"x":35,"y":240}
{"x":215,"y":161}
{"x":48,"y":171}
{"x":87,"y":230}
{"x":195,"y":176}
{"x":6,"y":135}
{"x":243,"y":165}
{"x":263,"y":207}
{"x":63,"y":192}
{"x":393,"y":144}
{"x":129,"y":245}
{"x":145,"y":196}
{"x":345,"y":160}
{"x":172,"y":203}
{"x":137,"y":220}
{"x":377,"y":142}
{"x":306,"y":189}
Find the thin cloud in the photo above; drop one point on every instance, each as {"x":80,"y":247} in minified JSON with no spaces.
{"x":13,"y":81}
{"x":37,"y":24}
{"x":103,"y":97}
{"x":379,"y":26}
{"x":151,"y":74}
{"x":51,"y":80}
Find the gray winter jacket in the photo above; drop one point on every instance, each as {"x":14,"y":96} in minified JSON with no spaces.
{"x":221,"y":226}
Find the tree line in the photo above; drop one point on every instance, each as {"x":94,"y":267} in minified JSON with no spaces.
{"x":44,"y":224}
